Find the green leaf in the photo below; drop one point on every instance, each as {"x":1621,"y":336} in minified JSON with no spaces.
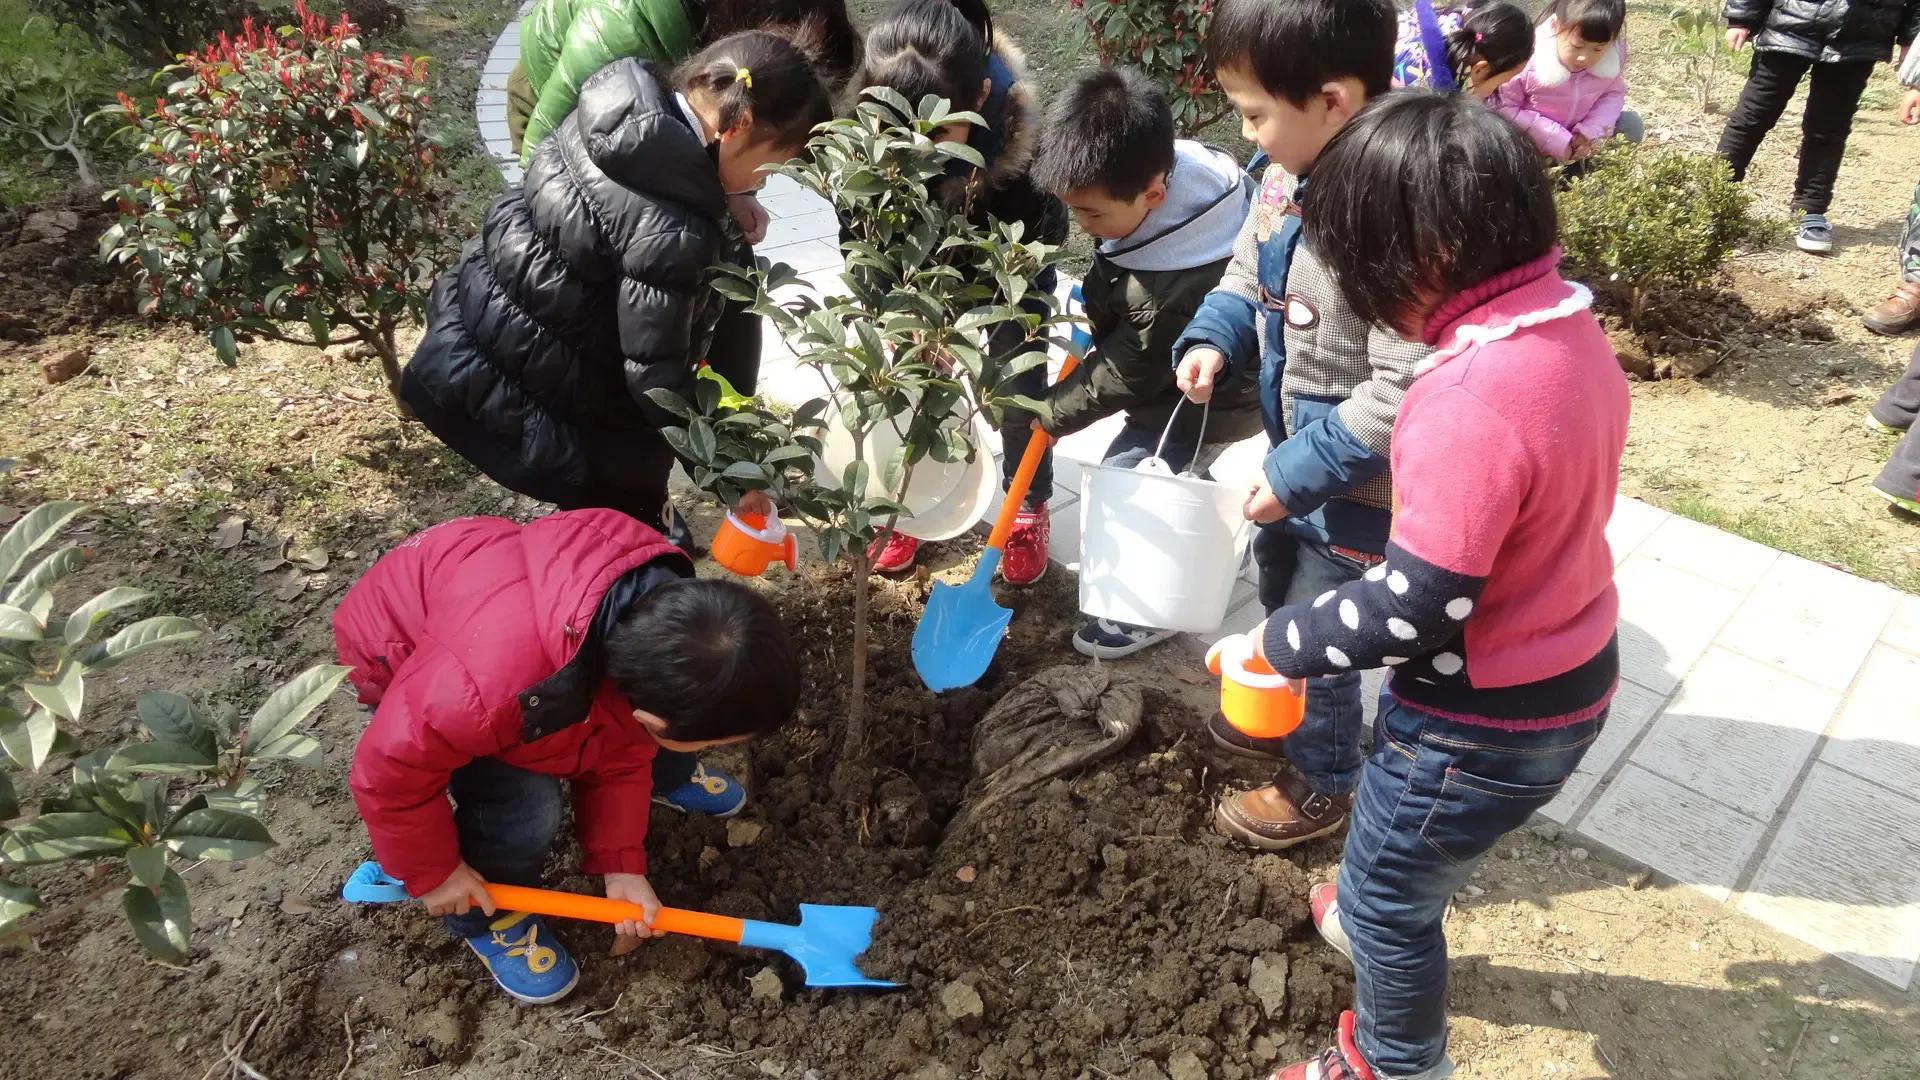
{"x":297,"y":748}
{"x":164,"y":758}
{"x":224,"y":345}
{"x":33,"y":531}
{"x":372,"y":115}
{"x":961,"y":151}
{"x":701,"y":441}
{"x":210,"y":833}
{"x":138,"y":638}
{"x":17,"y":625}
{"x":170,"y":716}
{"x":88,"y":615}
{"x":853,"y":479}
{"x":46,"y":574}
{"x":249,"y":797}
{"x":28,"y":741}
{"x":291,"y":704}
{"x":147,"y":864}
{"x":9,"y":803}
{"x":161,"y":916}
{"x":16,"y":903}
{"x":671,"y":402}
{"x":55,"y":837}
{"x":64,"y":696}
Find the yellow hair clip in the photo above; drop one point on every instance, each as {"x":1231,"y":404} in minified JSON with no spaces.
{"x":743,"y":75}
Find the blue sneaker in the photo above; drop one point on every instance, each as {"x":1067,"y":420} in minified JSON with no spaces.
{"x":708,"y":792}
{"x":526,"y":959}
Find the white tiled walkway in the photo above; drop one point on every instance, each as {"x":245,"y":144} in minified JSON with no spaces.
{"x":1765,"y":744}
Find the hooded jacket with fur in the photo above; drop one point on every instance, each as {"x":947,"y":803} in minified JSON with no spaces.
{"x":1005,"y":189}
{"x":1552,"y":104}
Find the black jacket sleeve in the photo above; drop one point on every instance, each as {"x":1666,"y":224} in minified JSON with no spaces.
{"x":1748,"y":14}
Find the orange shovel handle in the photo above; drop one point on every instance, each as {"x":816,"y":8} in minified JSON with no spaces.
{"x":566,"y":905}
{"x":1023,"y":476}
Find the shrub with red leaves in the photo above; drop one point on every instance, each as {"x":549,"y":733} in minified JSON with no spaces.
{"x":294,"y":185}
{"x":1162,"y":38}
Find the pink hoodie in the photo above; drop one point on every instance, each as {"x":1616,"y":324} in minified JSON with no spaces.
{"x":1552,"y":104}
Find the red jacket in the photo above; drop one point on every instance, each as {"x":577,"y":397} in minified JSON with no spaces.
{"x":472,"y":639}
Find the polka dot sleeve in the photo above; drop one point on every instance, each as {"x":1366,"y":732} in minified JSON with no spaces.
{"x":1405,"y":613}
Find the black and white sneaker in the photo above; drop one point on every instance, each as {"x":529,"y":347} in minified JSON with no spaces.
{"x":1104,"y":639}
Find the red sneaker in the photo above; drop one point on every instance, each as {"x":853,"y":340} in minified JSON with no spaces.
{"x":893,"y":553}
{"x":1026,"y":557}
{"x":1323,"y":901}
{"x":1341,"y":1061}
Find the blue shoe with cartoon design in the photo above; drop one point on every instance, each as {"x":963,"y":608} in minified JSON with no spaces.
{"x":709,"y":792}
{"x":526,"y":959}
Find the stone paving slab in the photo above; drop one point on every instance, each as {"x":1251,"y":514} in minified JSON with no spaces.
{"x":1764,"y":747}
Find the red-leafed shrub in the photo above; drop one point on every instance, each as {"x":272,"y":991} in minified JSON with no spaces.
{"x":294,"y":187}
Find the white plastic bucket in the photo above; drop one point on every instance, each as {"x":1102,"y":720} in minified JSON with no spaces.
{"x":1157,"y":549}
{"x":943,"y":500}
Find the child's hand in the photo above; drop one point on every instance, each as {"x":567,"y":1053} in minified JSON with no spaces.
{"x":755,"y":502}
{"x":463,"y":891}
{"x":1263,"y":505}
{"x":633,"y":888}
{"x":752,"y":218}
{"x":1737,"y":37}
{"x":1196,"y":373}
{"x":1910,"y":108}
{"x":1581,"y":148}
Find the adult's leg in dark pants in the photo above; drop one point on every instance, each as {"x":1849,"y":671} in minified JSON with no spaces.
{"x":671,"y":768}
{"x":1770,"y":86}
{"x":506,"y":819}
{"x":1833,"y":96}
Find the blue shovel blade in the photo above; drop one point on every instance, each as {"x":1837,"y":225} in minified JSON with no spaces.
{"x":369,"y":884}
{"x":960,"y":630}
{"x":828,"y":940}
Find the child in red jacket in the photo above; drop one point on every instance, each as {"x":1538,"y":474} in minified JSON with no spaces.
{"x":502,"y":659}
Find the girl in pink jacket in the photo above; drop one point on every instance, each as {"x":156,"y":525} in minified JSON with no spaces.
{"x":1569,"y":97}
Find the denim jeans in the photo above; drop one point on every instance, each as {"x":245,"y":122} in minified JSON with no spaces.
{"x":507,"y":819}
{"x":1433,"y":799}
{"x":1295,"y":567}
{"x":1016,"y":425}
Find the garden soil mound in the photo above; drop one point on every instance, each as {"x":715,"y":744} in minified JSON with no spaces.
{"x":51,"y":278}
{"x":1094,"y":921}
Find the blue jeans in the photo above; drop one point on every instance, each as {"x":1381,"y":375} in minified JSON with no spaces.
{"x":507,"y":819}
{"x":1432,"y":801}
{"x":1295,"y":567}
{"x":1016,"y":425}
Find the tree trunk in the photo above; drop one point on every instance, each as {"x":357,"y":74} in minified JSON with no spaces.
{"x":853,"y":746}
{"x":384,"y":347}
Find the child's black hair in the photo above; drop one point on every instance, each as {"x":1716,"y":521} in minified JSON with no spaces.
{"x":1422,"y":196}
{"x":1111,"y":129}
{"x":1498,"y":33}
{"x":825,"y":20}
{"x":711,"y":658}
{"x":923,"y":48}
{"x":768,"y":75}
{"x":1598,"y":21}
{"x":1294,"y":47}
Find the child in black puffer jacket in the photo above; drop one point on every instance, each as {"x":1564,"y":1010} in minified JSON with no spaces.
{"x":1836,"y":41}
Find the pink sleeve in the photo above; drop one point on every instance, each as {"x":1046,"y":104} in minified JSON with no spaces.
{"x":1460,"y":477}
{"x":1511,"y":102}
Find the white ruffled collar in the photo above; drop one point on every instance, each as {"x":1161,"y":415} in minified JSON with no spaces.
{"x":1470,"y":335}
{"x":1547,"y":68}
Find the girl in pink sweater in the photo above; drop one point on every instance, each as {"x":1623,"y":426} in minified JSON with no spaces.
{"x":1495,"y":609}
{"x":1570,"y":97}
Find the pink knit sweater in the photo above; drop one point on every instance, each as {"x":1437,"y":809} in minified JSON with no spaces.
{"x":1496,"y":603}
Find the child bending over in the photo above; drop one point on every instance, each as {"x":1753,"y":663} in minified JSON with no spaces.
{"x":1570,"y":96}
{"x":504,"y":659}
{"x":1165,"y":213}
{"x":1495,"y":607}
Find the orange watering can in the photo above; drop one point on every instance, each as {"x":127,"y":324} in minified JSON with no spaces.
{"x":749,"y":543}
{"x":1255,"y":699}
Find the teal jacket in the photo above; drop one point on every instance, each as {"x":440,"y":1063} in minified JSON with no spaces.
{"x":564,"y":41}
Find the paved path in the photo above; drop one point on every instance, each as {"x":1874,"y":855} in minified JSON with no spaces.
{"x":1765,"y":744}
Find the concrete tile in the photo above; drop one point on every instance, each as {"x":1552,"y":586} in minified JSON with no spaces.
{"x":484,"y":98}
{"x":1738,"y":732}
{"x":1876,"y":736}
{"x":792,"y":201}
{"x":509,"y":36}
{"x":1636,"y":817}
{"x":1841,"y":875}
{"x":1634,"y":707}
{"x":511,"y":174}
{"x":491,"y":114}
{"x":1064,"y":544}
{"x":501,"y":61}
{"x":1240,"y":619}
{"x":1667,"y":619}
{"x":495,"y":133}
{"x":819,"y":225}
{"x":1632,"y":522}
{"x":1090,"y":445}
{"x":779,"y":185}
{"x":1707,"y":552}
{"x":1903,"y":632}
{"x":1810,"y":620}
{"x":816,"y":260}
{"x":494,"y":80}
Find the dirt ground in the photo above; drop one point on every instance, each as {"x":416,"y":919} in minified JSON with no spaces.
{"x":1095,"y":928}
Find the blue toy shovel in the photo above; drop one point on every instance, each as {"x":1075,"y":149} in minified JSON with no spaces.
{"x":826,"y":943}
{"x":961,"y":628}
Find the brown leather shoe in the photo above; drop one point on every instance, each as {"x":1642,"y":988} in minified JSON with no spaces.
{"x":1282,"y":814}
{"x":1234,"y":741}
{"x":1898,"y":313}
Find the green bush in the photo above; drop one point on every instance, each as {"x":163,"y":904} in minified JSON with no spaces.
{"x":152,"y":31}
{"x":1653,"y":216}
{"x":293,"y":187}
{"x":1162,"y":38}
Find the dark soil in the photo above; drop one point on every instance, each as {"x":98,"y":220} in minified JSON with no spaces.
{"x":51,"y":278}
{"x":1686,"y":333}
{"x":1096,"y":922}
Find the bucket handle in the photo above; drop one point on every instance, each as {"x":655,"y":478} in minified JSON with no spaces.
{"x":1206,"y":410}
